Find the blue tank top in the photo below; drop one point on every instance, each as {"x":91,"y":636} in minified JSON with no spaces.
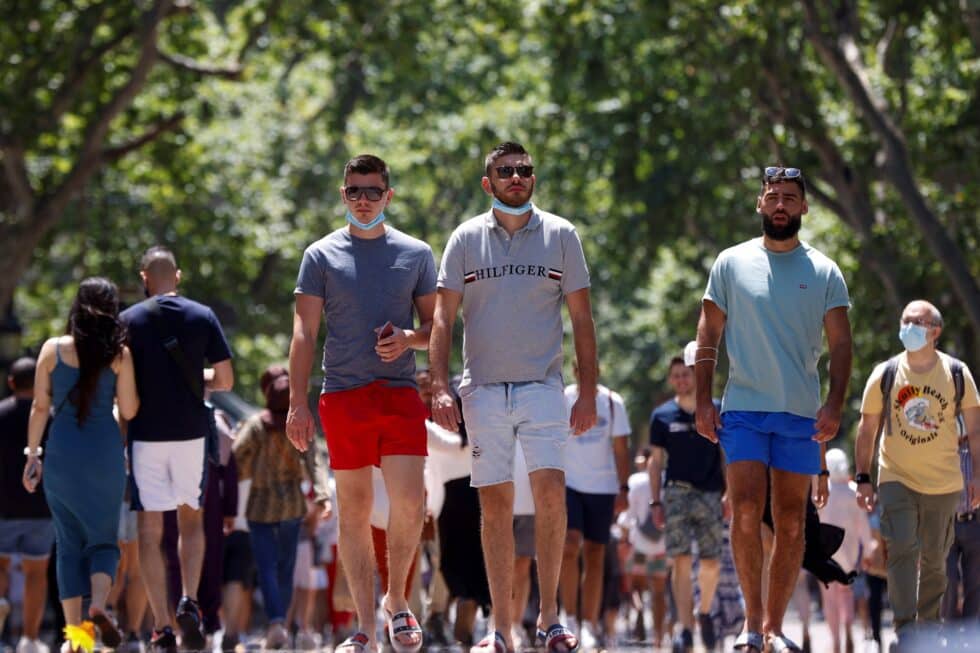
{"x":63,"y":380}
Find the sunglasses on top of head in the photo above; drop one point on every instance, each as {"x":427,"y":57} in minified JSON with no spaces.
{"x":354,"y":193}
{"x":774,"y":172}
{"x":506,"y":172}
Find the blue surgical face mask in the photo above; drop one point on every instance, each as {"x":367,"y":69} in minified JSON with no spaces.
{"x":511,"y":210}
{"x":913,"y":336}
{"x":370,"y":225}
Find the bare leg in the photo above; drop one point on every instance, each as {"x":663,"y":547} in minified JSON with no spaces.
{"x":465,"y":620}
{"x":152,"y":566}
{"x":232,"y":601}
{"x":101,"y":584}
{"x":789,"y":492}
{"x":497,"y":536}
{"x":594,"y":555}
{"x":406,"y":492}
{"x":73,"y":610}
{"x":135,"y":595}
{"x":709,"y":569}
{"x":550,"y":522}
{"x":658,"y":595}
{"x":747,"y":492}
{"x":355,"y":494}
{"x":190,"y":548}
{"x":680,"y":581}
{"x":35,"y":595}
{"x":522,"y":587}
{"x":569,"y":576}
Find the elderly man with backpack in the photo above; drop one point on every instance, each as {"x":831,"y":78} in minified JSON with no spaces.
{"x":909,"y":415}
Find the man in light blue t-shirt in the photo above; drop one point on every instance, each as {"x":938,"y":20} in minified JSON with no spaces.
{"x":773,"y":298}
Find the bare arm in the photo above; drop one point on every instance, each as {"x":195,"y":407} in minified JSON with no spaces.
{"x":655,"y":467}
{"x":621,"y":453}
{"x":392,"y":347}
{"x":220,"y":377}
{"x":863,"y":453}
{"x":40,"y":409}
{"x":126,"y":397}
{"x":306,"y":325}
{"x":838,"y":329}
{"x":711,"y":325}
{"x":445,"y":413}
{"x":583,"y":415}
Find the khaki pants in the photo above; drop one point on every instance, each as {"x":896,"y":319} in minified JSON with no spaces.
{"x":918,"y":532}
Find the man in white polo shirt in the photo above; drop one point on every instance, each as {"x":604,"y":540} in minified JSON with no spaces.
{"x":511,"y":269}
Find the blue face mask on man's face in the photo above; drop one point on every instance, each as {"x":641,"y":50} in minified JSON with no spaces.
{"x":511,"y":210}
{"x":378,"y":219}
{"x":913,"y":336}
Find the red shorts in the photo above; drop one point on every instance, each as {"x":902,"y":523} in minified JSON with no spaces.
{"x":372,"y":421}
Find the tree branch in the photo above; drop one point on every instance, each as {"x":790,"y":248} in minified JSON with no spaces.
{"x":256,"y":31}
{"x":180,"y":62}
{"x":15,"y":173}
{"x":112,"y":154}
{"x":89,"y":155}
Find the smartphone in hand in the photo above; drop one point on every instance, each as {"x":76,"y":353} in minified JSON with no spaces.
{"x":33,"y":474}
{"x":386,"y":330}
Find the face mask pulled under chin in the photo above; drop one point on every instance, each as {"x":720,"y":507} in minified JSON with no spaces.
{"x":913,"y":336}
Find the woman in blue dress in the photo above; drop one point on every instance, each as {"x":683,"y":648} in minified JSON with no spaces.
{"x":81,"y":375}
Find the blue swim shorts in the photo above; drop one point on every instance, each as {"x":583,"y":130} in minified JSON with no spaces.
{"x":780,"y":440}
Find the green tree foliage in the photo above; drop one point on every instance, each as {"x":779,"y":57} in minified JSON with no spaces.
{"x":649,"y":123}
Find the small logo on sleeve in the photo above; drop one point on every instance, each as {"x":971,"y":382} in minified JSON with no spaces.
{"x":802,"y":286}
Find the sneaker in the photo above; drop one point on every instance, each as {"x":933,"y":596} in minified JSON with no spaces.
{"x":586,"y":637}
{"x":26,"y":645}
{"x":306,"y":641}
{"x":163,"y":641}
{"x":132,"y":644}
{"x":707,"y":627}
{"x":683,"y":642}
{"x":276,"y":637}
{"x":229,"y":642}
{"x":435,"y":629}
{"x":189,"y":620}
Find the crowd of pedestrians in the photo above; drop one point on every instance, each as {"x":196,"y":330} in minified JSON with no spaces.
{"x":432,"y":499}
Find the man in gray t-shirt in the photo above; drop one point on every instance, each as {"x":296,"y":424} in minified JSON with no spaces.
{"x":511,"y":269}
{"x":367,"y":280}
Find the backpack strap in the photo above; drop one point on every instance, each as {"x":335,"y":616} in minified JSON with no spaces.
{"x":195,"y":382}
{"x":884,"y":423}
{"x":956,"y":370}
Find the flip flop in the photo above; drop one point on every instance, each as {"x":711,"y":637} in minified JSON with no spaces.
{"x":748,"y":639}
{"x":108,"y":631}
{"x":782,"y":644}
{"x":491,"y":643}
{"x":357,"y":643}
{"x":559,"y":639}
{"x":404,"y":623}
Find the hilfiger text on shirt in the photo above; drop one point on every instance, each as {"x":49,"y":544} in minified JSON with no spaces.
{"x":509,"y":269}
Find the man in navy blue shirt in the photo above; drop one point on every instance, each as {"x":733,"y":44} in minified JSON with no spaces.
{"x":167,"y":436}
{"x":689,"y":507}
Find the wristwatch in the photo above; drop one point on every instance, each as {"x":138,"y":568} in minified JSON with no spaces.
{"x":862,"y":477}
{"x":624,"y":487}
{"x":654,"y":504}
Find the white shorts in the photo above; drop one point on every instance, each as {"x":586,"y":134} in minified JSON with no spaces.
{"x":167,"y":474}
{"x":498,"y":415}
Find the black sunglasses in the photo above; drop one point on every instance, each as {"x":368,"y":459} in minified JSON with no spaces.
{"x":354,"y":193}
{"x":505,"y":172}
{"x":783,"y":173}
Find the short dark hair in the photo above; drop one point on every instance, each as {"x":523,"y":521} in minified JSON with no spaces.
{"x":22,"y":373}
{"x":503,"y":149}
{"x":676,"y":360}
{"x":158,"y":259}
{"x":365,"y":164}
{"x":781,"y":177}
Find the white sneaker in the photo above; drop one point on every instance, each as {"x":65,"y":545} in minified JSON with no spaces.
{"x":586,"y":637}
{"x":26,"y":645}
{"x":306,"y":641}
{"x":276,"y":637}
{"x":572,"y":624}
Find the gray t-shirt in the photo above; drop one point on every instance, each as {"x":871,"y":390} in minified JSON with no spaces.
{"x":364,"y":283}
{"x":775,"y":304}
{"x":513,"y":289}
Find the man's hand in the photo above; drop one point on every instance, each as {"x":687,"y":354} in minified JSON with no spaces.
{"x":583,"y":414}
{"x":299,"y":426}
{"x":973,"y":492}
{"x":227,"y":525}
{"x":828,"y":422}
{"x":865,"y":497}
{"x":659,"y":516}
{"x":707,"y":420}
{"x":445,"y":412}
{"x":622,"y":502}
{"x":391,"y":347}
{"x":821,"y":492}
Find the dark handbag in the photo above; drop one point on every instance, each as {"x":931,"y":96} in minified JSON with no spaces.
{"x":195,"y":381}
{"x":649,"y":528}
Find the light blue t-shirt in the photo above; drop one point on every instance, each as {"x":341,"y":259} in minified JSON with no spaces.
{"x":775,"y":304}
{"x":365,"y":282}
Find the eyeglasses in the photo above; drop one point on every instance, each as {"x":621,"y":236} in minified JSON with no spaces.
{"x":354,"y":193}
{"x":505,"y":172}
{"x":784,"y":173}
{"x":918,"y":322}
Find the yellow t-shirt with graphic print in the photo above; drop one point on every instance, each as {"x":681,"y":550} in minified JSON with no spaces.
{"x":921,"y":452}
